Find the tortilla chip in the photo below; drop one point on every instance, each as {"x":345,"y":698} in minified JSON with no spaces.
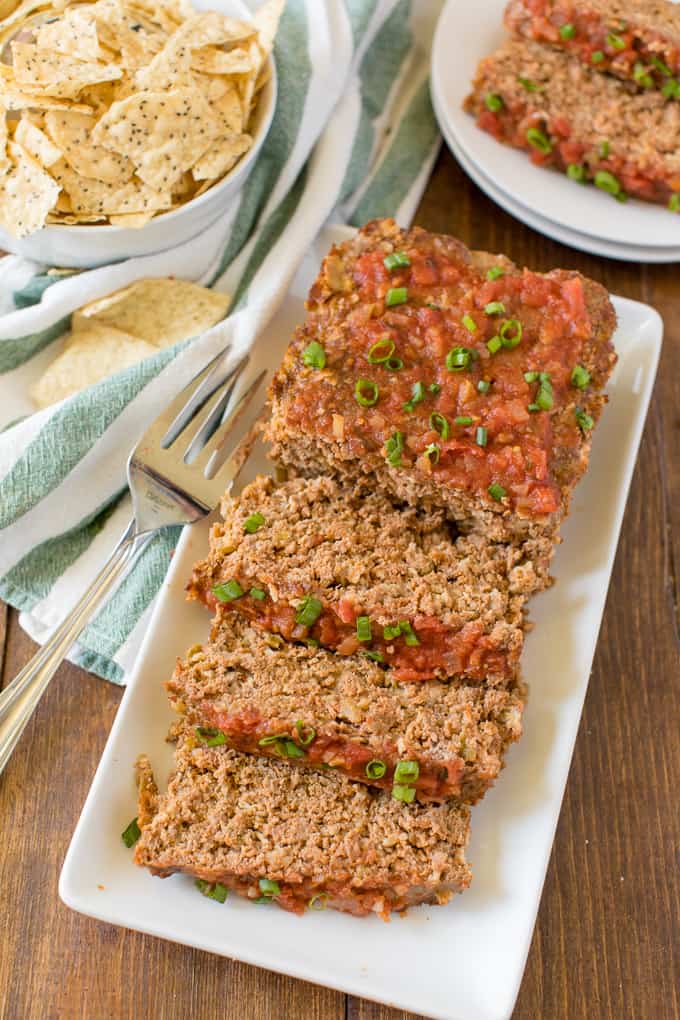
{"x":74,"y":34}
{"x":27,"y":193}
{"x":230,"y":111}
{"x":266,"y":20}
{"x":222,"y":155}
{"x":160,"y":311}
{"x":211,"y":60}
{"x":37,"y":143}
{"x":145,"y":128}
{"x":89,"y":357}
{"x":130,"y":220}
{"x":12,"y":97}
{"x":55,"y":74}
{"x":103,"y":197}
{"x":72,"y":132}
{"x":209,"y":28}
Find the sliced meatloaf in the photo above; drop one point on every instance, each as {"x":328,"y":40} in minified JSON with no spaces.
{"x":446,"y":378}
{"x":315,"y":559}
{"x":636,"y":40}
{"x":308,"y":706}
{"x":577,"y":121}
{"x":299,"y":837}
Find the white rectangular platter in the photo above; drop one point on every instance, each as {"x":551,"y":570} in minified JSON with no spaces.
{"x":459,"y":962}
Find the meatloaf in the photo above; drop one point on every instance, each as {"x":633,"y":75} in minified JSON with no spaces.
{"x":314,"y":559}
{"x":298,"y":837}
{"x":446,"y":378}
{"x":636,"y":40}
{"x":577,"y":121}
{"x":308,"y":706}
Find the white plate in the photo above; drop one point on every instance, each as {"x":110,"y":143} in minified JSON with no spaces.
{"x":460,"y":962}
{"x":552,"y":195}
{"x":569,"y":237}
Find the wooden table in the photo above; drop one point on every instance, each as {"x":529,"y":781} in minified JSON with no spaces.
{"x":607,"y":943}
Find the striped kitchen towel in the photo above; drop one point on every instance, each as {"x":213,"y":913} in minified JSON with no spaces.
{"x":353,"y":137}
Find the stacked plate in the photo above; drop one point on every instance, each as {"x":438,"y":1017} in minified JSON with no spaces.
{"x":581,"y":217}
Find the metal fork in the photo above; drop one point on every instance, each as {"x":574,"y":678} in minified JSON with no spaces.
{"x":176,"y":474}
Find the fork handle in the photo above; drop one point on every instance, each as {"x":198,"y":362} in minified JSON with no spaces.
{"x":19,"y":700}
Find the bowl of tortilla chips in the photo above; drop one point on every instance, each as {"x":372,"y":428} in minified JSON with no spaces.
{"x":129,"y":125}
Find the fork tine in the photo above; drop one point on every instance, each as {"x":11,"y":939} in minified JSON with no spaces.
{"x":205,"y":459}
{"x":216,"y":378}
{"x":213,"y":416}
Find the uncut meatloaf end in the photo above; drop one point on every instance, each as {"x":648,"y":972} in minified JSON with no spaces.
{"x":348,"y":569}
{"x":636,"y":40}
{"x":572,"y":117}
{"x":235,"y":819}
{"x":450,"y":419}
{"x":310,"y":707}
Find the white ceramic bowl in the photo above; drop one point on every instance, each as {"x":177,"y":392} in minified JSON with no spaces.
{"x":89,"y":246}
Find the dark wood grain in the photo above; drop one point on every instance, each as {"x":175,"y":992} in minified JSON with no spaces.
{"x":606,"y":946}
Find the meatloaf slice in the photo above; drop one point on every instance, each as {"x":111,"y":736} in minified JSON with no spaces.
{"x":636,"y":40}
{"x":446,"y":378}
{"x":573,"y":119}
{"x":300,"y":837}
{"x":313,"y":559}
{"x":310,"y":707}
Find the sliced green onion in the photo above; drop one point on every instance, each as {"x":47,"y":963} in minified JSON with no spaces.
{"x":405,"y":793}
{"x":494,"y":308}
{"x":459,"y":358}
{"x":406,"y":772}
{"x":396,"y":296}
{"x":273,"y":738}
{"x":258,"y":593}
{"x":253,"y":523}
{"x":530,"y":377}
{"x":533,"y":408}
{"x":394,"y":447}
{"x":603,"y":150}
{"x":309,"y":611}
{"x":366,"y":392}
{"x":417,"y":395}
{"x":671,"y":89}
{"x":583,"y":420}
{"x":374,"y":656}
{"x":394,"y":364}
{"x":433,"y":453}
{"x":660,"y":66}
{"x":674,"y":203}
{"x":580,"y":377}
{"x":576,"y":172}
{"x":597,"y":56}
{"x":463,"y":419}
{"x":397,"y":260}
{"x":483,"y":386}
{"x":318,"y":902}
{"x":615,"y":41}
{"x":528,"y":84}
{"x":469,"y":323}
{"x":289,"y":749}
{"x":364,"y":628}
{"x":496,"y":492}
{"x":269,"y":888}
{"x":494,"y":344}
{"x":434,"y":387}
{"x":544,"y":395}
{"x":481,"y":436}
{"x":607,"y":182}
{"x":314,"y":356}
{"x":495,"y":272}
{"x":567,"y":31}
{"x":210,"y":737}
{"x":131,"y":833}
{"x":539,"y":140}
{"x":641,"y":75}
{"x":440,"y":424}
{"x":511,"y":333}
{"x":213,"y":890}
{"x":375,"y":769}
{"x":408,"y":634}
{"x":306,"y":734}
{"x":391,"y":632}
{"x":311,"y":642}
{"x":381,"y":351}
{"x":493,"y":102}
{"x":228,"y":591}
